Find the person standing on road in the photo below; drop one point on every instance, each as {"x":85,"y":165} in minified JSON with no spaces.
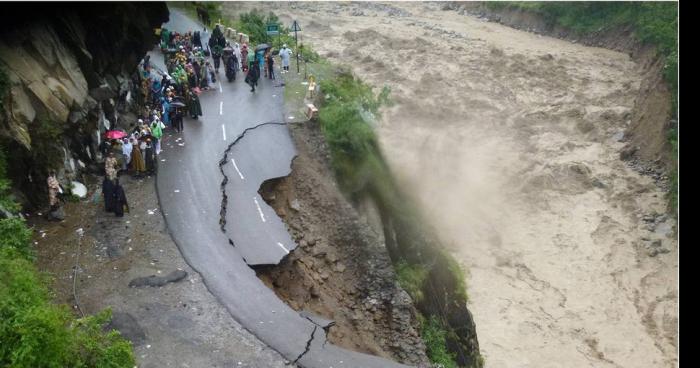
{"x":251,"y":59}
{"x":54,"y":189}
{"x":108,"y":194}
{"x":253,"y":76}
{"x":119,"y":202}
{"x":111,"y":166}
{"x":157,"y":133}
{"x":237,"y":53}
{"x":126,"y":151}
{"x":177,"y":121}
{"x":149,"y":156}
{"x":244,"y":58}
{"x":137,"y":159}
{"x":270,"y":64}
{"x":285,"y":53}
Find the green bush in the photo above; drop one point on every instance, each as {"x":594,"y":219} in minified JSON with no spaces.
{"x":435,"y":337}
{"x":458,"y":275}
{"x":14,"y":234}
{"x":411,"y":278}
{"x":6,"y":200}
{"x":36,"y":333}
{"x":254,"y":24}
{"x":347,"y":115}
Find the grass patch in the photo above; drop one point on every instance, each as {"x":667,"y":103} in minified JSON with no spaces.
{"x":411,"y":278}
{"x":435,"y":337}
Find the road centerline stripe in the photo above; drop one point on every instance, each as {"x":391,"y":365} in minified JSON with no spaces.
{"x":282,"y":246}
{"x":236,"y":166}
{"x":262,"y":217}
{"x":223,"y":130}
{"x":220,"y":89}
{"x":221,"y":107}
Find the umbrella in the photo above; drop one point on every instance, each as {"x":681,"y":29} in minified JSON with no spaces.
{"x":263,"y":46}
{"x":115,"y":134}
{"x":177,"y":104}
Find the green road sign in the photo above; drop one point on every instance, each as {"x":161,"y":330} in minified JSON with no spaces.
{"x":273,"y":29}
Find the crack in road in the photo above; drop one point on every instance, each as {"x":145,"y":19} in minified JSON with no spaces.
{"x":222,"y":163}
{"x":326,"y":328}
{"x":308,"y":345}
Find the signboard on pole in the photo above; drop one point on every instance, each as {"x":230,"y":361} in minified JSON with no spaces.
{"x":273,"y":29}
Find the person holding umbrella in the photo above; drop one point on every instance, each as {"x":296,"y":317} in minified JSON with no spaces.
{"x":177,"y":115}
{"x":260,"y":54}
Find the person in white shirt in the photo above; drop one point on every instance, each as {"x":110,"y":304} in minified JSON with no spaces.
{"x":285,"y":53}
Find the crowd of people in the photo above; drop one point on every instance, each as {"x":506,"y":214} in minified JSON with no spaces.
{"x":164,"y":97}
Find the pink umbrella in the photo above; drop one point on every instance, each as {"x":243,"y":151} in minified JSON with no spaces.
{"x":115,"y":134}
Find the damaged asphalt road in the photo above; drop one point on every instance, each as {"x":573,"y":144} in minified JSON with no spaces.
{"x":262,"y":153}
{"x":190,"y":193}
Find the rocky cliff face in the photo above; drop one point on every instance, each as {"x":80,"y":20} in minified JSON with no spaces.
{"x":69,"y":69}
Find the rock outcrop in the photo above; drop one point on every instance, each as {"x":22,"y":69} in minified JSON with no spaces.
{"x":68,"y":69}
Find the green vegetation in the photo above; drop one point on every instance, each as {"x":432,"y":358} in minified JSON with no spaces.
{"x":35,"y":332}
{"x":653,"y":22}
{"x":15,"y":235}
{"x":454,"y":268}
{"x":435,"y":337}
{"x":411,"y":279}
{"x":433,"y":278}
{"x":6,"y":201}
{"x":349,"y":112}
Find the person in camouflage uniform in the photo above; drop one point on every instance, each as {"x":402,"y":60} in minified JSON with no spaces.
{"x":111,"y":166}
{"x":54,"y":188}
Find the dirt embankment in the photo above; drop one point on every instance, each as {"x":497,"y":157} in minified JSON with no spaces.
{"x":341,"y":270}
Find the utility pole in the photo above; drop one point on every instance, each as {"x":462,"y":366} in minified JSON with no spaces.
{"x":296,"y":28}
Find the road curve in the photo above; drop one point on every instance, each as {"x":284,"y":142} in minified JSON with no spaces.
{"x":190,"y":193}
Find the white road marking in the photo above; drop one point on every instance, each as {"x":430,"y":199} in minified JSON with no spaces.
{"x":239,"y":171}
{"x":223,"y":130}
{"x":259,"y":209}
{"x":221,"y":108}
{"x":282,"y":246}
{"x":220,"y":89}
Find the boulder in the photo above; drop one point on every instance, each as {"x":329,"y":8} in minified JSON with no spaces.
{"x":57,"y":214}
